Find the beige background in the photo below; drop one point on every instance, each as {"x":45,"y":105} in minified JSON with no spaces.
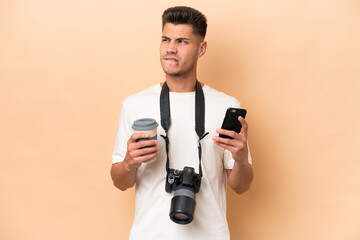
{"x":66,"y":66}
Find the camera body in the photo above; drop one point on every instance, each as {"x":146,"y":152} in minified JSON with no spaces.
{"x":186,"y":184}
{"x":186,"y":178}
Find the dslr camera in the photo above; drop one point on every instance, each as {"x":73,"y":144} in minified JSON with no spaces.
{"x":186,"y":184}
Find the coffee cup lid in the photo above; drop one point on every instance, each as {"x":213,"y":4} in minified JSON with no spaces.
{"x":144,"y":124}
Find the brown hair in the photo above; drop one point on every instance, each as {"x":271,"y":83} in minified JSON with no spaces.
{"x":186,"y":15}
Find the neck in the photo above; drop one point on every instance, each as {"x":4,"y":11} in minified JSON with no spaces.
{"x":181,"y":84}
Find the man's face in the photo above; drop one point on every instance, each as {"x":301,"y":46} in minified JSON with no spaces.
{"x":180,"y":49}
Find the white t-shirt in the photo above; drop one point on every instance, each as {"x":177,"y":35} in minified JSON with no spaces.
{"x":152,"y":219}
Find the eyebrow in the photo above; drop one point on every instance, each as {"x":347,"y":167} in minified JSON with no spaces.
{"x":183,"y":38}
{"x":180,"y":38}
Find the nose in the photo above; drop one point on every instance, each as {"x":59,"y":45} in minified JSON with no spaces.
{"x":171,"y":47}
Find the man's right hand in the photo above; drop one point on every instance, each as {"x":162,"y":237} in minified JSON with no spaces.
{"x":139,"y":152}
{"x":123,"y":173}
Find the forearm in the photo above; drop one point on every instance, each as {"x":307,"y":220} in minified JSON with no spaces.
{"x":123,"y":177}
{"x":240,"y":177}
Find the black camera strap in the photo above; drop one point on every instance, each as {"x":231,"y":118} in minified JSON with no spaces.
{"x":199,"y":119}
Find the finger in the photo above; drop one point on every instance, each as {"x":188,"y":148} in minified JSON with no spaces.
{"x":145,"y":143}
{"x":136,"y":136}
{"x":225,"y":143}
{"x":148,"y":150}
{"x":146,"y":157}
{"x":230,"y":142}
{"x":143,"y":151}
{"x":144,"y":154}
{"x":234,"y":149}
{"x":229,"y":133}
{"x":134,"y":145}
{"x":244,"y":126}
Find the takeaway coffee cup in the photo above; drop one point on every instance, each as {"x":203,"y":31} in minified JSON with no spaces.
{"x":146,"y":125}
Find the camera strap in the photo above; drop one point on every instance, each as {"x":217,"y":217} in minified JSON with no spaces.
{"x":199,"y":119}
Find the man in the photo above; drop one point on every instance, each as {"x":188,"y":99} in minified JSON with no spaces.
{"x":182,"y":44}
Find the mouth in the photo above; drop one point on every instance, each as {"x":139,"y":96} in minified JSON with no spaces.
{"x":171,"y":59}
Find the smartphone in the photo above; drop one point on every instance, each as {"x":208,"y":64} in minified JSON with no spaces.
{"x":231,"y":121}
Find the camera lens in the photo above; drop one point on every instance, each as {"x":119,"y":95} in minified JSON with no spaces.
{"x":182,"y":206}
{"x":181,"y":217}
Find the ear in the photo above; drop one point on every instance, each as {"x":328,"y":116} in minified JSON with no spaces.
{"x":202,"y":48}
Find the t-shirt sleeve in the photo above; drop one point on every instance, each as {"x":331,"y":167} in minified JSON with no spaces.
{"x":123,"y":134}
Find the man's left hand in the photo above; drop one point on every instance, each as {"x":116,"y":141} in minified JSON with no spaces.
{"x":238,"y":145}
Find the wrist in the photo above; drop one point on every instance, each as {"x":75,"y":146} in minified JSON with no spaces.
{"x":241,"y":164}
{"x":241,"y":158}
{"x":129,"y":167}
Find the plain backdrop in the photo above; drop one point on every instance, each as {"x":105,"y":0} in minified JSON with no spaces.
{"x":66,"y":66}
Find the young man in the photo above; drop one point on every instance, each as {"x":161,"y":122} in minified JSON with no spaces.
{"x":182,"y":44}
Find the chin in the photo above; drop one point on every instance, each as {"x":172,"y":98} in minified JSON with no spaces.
{"x":171,"y":73}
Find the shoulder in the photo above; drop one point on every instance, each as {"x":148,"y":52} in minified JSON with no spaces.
{"x":214,"y":96}
{"x":143,"y":96}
